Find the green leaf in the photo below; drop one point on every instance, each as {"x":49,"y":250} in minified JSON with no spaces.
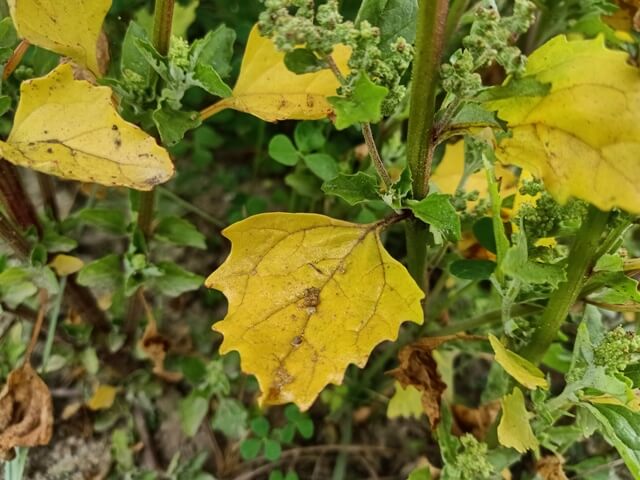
{"x":631,"y":456}
{"x":612,"y":287}
{"x":8,"y":35}
{"x":518,"y":367}
{"x":436,"y":210}
{"x":322,"y":165}
{"x":421,"y":473}
{"x":206,"y":77}
{"x":193,"y":408}
{"x":215,"y":50}
{"x":472,"y":116}
{"x":272,"y":450}
{"x":5,"y":104}
{"x":353,"y":189}
{"x":179,"y":231}
{"x":472,"y":269}
{"x":260,"y":426}
{"x":110,"y":220}
{"x":230,"y":418}
{"x":173,"y":124}
{"x":483,"y":231}
{"x":282,"y":150}
{"x":303,"y":60}
{"x":132,"y":60}
{"x":250,"y":448}
{"x":175,"y":281}
{"x":609,"y":263}
{"x":363,"y":106}
{"x":517,"y":265}
{"x":625,"y":422}
{"x":309,"y":136}
{"x":515,"y":87}
{"x":105,"y":273}
{"x":16,"y":286}
{"x":395,"y":18}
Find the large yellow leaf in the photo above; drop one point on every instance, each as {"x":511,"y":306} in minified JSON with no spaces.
{"x":67,"y":27}
{"x":583,"y":138}
{"x":268,"y":90}
{"x":308,"y":295}
{"x":70,"y":128}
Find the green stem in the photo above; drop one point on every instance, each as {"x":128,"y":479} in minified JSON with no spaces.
{"x":489,"y":318}
{"x":162,"y":24}
{"x":417,"y":236}
{"x":502,"y":242}
{"x":432,"y":17}
{"x":582,"y":257}
{"x":375,"y":155}
{"x":53,"y":324}
{"x":190,"y":207}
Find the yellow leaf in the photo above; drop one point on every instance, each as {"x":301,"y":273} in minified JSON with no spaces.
{"x":405,"y":402}
{"x":308,"y":295}
{"x":68,"y":27}
{"x":268,"y":90}
{"x":70,"y":128}
{"x":102,"y":398}
{"x":514,"y":429}
{"x":583,"y":138}
{"x":519,"y":368}
{"x":66,"y":264}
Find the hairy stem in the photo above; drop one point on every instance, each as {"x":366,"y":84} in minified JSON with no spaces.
{"x":375,"y":155}
{"x":432,"y":17}
{"x":582,"y":257}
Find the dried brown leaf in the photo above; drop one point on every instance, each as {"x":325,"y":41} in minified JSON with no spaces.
{"x":550,"y":468}
{"x":419,"y":369}
{"x":477,"y":421}
{"x":26,"y":411}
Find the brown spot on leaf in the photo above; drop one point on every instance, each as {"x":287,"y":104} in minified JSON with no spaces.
{"x":311,"y":298}
{"x":26,"y":412}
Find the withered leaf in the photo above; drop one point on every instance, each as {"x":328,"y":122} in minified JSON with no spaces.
{"x":26,"y":411}
{"x":419,"y":369}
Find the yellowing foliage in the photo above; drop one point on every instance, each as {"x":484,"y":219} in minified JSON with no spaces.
{"x":583,"y":138}
{"x":308,"y":295}
{"x":519,"y":368}
{"x":102,"y":398}
{"x":70,"y":128}
{"x":405,"y":402}
{"x":68,"y":27}
{"x":66,"y":264}
{"x":514,"y":429}
{"x":268,"y":90}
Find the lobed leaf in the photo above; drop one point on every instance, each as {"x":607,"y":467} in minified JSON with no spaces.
{"x":308,"y":295}
{"x":583,"y":137}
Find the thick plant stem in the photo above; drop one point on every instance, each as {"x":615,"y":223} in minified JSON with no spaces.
{"x":581,"y":260}
{"x":162,"y":23}
{"x":432,"y":17}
